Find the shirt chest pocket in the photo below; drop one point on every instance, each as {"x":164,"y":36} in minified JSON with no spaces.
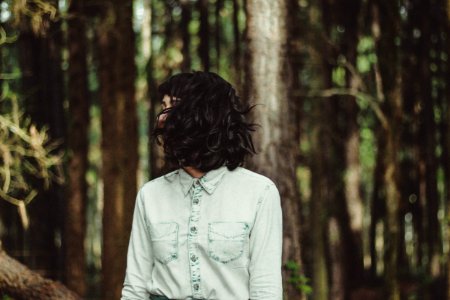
{"x":226,"y":240}
{"x":164,"y":237}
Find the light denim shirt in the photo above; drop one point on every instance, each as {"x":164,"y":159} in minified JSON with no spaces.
{"x":216,"y":237}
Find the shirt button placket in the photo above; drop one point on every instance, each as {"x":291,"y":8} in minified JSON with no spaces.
{"x":193,"y":240}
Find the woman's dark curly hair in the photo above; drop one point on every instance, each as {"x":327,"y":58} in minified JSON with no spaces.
{"x":206,"y":128}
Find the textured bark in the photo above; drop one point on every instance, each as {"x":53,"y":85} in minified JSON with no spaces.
{"x":268,"y":79}
{"x":75,"y":216}
{"x":19,"y":282}
{"x":116,"y":48}
{"x":385,"y":30}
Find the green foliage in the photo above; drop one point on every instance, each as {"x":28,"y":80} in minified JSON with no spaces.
{"x":296,"y":277}
{"x":367,"y":56}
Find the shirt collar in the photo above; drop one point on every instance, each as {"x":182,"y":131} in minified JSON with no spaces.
{"x":209,"y":181}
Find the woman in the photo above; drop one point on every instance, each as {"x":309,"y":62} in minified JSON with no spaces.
{"x":211,"y":229}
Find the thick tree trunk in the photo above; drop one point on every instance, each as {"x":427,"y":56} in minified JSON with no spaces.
{"x":385,"y":30}
{"x":269,"y":83}
{"x":19,"y":282}
{"x":75,"y":216}
{"x":119,"y":139}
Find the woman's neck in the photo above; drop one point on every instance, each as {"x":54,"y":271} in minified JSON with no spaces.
{"x":194,"y":172}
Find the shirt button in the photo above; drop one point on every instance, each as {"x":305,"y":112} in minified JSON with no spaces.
{"x":195,"y":201}
{"x":193,"y":258}
{"x":193,"y":229}
{"x":196,"y":286}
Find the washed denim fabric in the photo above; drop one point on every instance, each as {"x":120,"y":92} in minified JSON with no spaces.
{"x":214,"y":237}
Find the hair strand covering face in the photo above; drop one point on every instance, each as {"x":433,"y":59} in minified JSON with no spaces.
{"x":206,"y":129}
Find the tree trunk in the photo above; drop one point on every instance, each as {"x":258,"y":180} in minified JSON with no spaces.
{"x":236,"y":62}
{"x":448,"y":148}
{"x":75,"y":216}
{"x":42,"y":82}
{"x":158,"y":165}
{"x":377,"y":205}
{"x":344,"y":182}
{"x":21,"y":283}
{"x":410,"y":185}
{"x":203,"y":48}
{"x":269,"y":83}
{"x":353,"y":227}
{"x":218,"y":32}
{"x":185,"y":34}
{"x":119,"y":138}
{"x":427,"y":138}
{"x":385,"y":30}
{"x":320,"y":193}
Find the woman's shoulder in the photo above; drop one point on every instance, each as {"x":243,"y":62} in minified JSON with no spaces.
{"x":245,"y":174}
{"x":158,"y":182}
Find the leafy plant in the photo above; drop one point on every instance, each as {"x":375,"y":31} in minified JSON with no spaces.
{"x":297,"y":278}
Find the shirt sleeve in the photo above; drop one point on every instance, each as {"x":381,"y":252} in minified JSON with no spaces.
{"x":266,"y":240}
{"x":139,"y":256}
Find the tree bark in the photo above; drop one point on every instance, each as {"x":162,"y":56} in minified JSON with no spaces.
{"x":269,"y":83}
{"x":117,"y":73}
{"x":385,"y":30}
{"x":42,"y":82}
{"x":19,"y":282}
{"x":75,"y":216}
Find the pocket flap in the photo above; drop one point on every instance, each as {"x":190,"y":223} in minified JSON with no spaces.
{"x":165,"y":230}
{"x":228,"y":230}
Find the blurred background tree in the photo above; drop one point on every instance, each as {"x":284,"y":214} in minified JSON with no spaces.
{"x":355,"y":132}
